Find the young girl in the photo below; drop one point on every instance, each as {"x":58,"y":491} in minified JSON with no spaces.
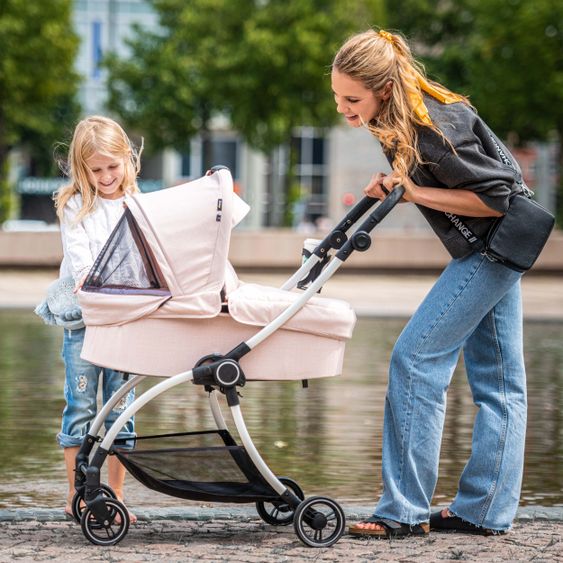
{"x":449,"y":164}
{"x":103,"y":166}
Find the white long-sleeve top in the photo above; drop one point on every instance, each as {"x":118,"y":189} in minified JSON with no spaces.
{"x":83,"y":241}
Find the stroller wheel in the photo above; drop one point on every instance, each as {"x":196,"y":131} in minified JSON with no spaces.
{"x":278,"y":512}
{"x":78,"y":504}
{"x":319,"y":522}
{"x":109,"y":531}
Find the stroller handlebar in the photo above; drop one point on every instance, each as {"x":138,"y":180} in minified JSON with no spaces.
{"x":361,"y":239}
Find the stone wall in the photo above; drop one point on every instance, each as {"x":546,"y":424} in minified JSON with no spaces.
{"x":267,"y":249}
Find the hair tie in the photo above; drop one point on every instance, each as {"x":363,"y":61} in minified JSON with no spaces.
{"x":387,"y":36}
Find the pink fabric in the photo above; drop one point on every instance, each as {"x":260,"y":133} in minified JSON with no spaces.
{"x":123,"y":309}
{"x":259,"y":305}
{"x":166,"y":347}
{"x":188,"y":230}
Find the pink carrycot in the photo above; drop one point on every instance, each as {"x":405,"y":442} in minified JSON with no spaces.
{"x":154,"y":302}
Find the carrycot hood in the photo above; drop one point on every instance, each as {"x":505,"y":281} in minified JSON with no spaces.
{"x":188,"y":228}
{"x":182,"y":235}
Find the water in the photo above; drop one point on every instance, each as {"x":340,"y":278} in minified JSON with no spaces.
{"x":326,"y":437}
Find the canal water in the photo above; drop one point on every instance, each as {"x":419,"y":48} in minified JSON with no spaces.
{"x":326,"y":437}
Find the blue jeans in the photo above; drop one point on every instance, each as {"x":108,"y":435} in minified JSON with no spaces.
{"x":475,"y":306}
{"x":81,"y":389}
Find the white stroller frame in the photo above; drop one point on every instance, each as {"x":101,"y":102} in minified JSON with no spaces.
{"x":318,"y":521}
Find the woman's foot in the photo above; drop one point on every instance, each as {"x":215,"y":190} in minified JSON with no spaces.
{"x":447,"y":521}
{"x":387,"y":529}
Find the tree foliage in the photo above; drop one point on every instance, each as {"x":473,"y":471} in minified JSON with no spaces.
{"x":507,"y":55}
{"x":263,"y":64}
{"x":37,"y":80}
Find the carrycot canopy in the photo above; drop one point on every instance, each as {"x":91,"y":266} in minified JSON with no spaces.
{"x":167,"y":256}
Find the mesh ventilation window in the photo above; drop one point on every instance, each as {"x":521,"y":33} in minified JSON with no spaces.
{"x":125,"y":264}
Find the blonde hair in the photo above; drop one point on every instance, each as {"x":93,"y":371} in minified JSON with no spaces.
{"x":96,"y":135}
{"x":375,"y":58}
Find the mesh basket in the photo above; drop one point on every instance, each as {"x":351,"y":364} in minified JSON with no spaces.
{"x":185,"y":469}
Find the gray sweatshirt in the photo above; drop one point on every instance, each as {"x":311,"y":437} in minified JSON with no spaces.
{"x":475,"y":165}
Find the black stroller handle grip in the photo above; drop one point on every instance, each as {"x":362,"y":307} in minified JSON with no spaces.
{"x":365,"y":204}
{"x":359,"y":240}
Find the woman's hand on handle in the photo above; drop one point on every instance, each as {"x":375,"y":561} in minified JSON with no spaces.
{"x":381,"y":185}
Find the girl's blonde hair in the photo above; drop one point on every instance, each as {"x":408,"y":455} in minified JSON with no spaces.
{"x":376,"y":57}
{"x":96,"y":135}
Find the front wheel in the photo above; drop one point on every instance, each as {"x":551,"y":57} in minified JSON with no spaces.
{"x":319,"y":522}
{"x":78,"y":504}
{"x":109,"y":530}
{"x":278,"y":512}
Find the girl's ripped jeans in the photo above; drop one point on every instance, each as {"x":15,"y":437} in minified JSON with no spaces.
{"x":81,"y":390}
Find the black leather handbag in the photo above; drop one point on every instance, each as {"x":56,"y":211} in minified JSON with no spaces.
{"x":517,"y":238}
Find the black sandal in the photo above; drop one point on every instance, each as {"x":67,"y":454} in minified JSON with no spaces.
{"x":453,"y":523}
{"x":391,"y":529}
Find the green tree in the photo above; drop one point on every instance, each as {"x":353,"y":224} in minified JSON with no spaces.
{"x":263,"y":64}
{"x":507,"y":55}
{"x":37,"y":80}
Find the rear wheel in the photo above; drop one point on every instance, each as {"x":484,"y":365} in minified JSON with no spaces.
{"x":279,"y":512}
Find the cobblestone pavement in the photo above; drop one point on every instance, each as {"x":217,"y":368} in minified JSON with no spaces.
{"x":251,"y":540}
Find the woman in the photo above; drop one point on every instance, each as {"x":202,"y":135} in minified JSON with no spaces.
{"x":452,"y":169}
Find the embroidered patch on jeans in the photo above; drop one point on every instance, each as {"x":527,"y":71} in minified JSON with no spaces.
{"x":81,"y":383}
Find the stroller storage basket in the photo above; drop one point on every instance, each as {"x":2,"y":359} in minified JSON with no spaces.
{"x":222,"y":473}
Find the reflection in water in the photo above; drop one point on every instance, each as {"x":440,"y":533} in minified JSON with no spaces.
{"x":326,"y":437}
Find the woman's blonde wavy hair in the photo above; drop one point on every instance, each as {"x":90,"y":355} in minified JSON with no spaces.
{"x":96,"y":135}
{"x":376,"y":57}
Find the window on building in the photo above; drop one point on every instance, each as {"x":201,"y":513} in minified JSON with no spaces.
{"x":310,"y":172}
{"x":97,"y":51}
{"x":218,"y":151}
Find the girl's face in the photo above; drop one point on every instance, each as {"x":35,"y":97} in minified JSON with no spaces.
{"x":106,"y":175}
{"x":354,"y":101}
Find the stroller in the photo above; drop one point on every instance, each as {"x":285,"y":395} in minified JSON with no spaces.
{"x":162,"y":301}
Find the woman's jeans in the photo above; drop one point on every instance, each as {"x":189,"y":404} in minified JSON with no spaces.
{"x":81,"y":389}
{"x":475,"y":306}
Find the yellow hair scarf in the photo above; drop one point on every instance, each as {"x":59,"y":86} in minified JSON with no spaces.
{"x":416,"y":99}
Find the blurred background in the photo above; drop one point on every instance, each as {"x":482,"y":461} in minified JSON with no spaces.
{"x":246,"y":83}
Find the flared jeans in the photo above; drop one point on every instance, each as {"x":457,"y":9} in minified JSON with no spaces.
{"x":475,"y":307}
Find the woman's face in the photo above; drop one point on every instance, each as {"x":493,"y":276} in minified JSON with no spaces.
{"x":354,"y":101}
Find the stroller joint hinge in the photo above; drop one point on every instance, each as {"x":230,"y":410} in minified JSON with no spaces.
{"x":224,"y":373}
{"x":337,"y":239}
